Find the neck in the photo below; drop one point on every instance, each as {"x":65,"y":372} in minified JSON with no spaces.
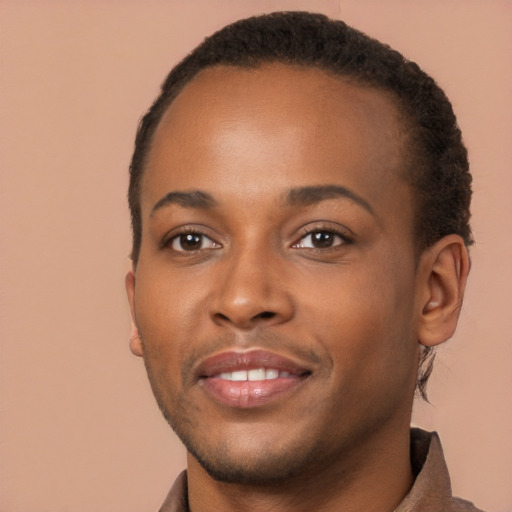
{"x":375,"y":477}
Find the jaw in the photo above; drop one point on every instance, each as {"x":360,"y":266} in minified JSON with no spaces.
{"x":286,"y":438}
{"x":372,"y":475}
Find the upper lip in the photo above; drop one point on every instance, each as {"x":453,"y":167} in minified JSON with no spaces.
{"x":233,"y":360}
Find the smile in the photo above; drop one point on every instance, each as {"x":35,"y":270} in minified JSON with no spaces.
{"x":249,"y":379}
{"x":253,"y":375}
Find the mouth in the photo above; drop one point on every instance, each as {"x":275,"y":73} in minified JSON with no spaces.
{"x":250,"y":379}
{"x":253,"y":375}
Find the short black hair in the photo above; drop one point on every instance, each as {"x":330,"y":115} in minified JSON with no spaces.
{"x":437,"y":158}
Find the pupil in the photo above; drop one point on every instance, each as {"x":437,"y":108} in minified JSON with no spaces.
{"x":322,"y":239}
{"x":190,"y":241}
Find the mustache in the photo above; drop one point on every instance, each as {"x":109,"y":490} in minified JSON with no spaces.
{"x":244,"y":342}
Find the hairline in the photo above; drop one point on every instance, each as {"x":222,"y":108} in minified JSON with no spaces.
{"x":404,"y":120}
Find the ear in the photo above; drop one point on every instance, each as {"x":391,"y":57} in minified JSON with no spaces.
{"x":135,"y":341}
{"x":443,"y":272}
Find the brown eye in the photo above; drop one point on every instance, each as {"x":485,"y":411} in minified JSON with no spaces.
{"x":320,"y":240}
{"x":192,"y":242}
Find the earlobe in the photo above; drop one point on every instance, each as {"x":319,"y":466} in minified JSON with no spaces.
{"x":444,"y":272}
{"x":135,"y":339}
{"x":136,"y":342}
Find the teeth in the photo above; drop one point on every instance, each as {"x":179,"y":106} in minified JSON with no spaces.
{"x":258,"y":374}
{"x":255,"y":374}
{"x":271,"y":374}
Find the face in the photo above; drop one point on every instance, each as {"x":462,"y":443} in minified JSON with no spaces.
{"x":276,"y":294}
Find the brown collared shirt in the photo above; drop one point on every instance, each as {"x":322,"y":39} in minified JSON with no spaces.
{"x":431,"y":491}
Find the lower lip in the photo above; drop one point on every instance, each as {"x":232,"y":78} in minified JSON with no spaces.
{"x":248,"y":394}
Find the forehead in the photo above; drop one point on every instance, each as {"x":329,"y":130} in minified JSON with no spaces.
{"x":280,"y":122}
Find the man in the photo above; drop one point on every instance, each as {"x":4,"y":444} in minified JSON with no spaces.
{"x":300,"y":203}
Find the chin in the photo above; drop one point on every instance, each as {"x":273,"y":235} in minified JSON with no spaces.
{"x":262,"y":461}
{"x":261,"y":469}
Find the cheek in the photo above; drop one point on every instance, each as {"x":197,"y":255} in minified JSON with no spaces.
{"x":162,"y":311}
{"x":364,"y":318}
{"x":159,"y":323}
{"x":166,"y":302}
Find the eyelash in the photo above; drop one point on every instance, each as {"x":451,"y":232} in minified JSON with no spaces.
{"x":308,"y":232}
{"x":169,"y":241}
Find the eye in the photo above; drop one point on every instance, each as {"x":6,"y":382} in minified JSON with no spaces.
{"x":320,"y":239}
{"x":186,"y":242}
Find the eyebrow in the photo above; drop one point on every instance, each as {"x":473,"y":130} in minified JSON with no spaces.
{"x":300,"y":196}
{"x":187,"y":199}
{"x":305,"y":196}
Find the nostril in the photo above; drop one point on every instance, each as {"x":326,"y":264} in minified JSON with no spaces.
{"x":244,"y":319}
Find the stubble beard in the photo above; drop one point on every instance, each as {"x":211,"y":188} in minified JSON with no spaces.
{"x":272,"y":466}
{"x":228,"y":463}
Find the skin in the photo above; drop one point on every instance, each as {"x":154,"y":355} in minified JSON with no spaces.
{"x":351,"y":310}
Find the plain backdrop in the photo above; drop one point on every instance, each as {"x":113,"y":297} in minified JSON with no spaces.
{"x":79,"y":428}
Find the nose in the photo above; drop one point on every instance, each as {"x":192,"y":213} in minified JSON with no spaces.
{"x":250,"y":290}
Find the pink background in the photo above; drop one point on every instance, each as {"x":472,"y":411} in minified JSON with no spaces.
{"x":79,"y":428}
